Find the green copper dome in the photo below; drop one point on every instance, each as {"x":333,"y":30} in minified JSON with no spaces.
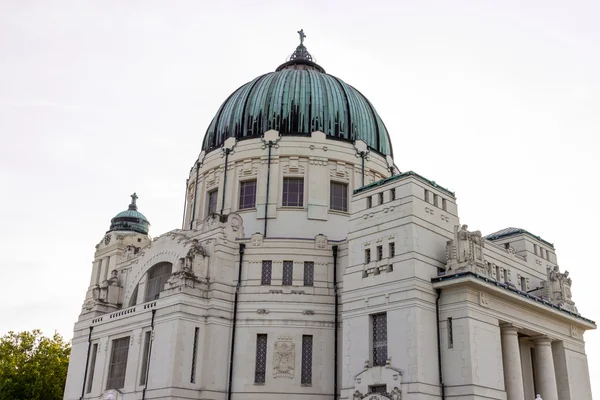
{"x":130,"y":219}
{"x":298,"y":99}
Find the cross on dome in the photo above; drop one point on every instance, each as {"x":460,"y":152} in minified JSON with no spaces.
{"x":133,"y":205}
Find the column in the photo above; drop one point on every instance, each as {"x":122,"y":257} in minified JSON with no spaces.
{"x":544,"y":369}
{"x":511,"y":361}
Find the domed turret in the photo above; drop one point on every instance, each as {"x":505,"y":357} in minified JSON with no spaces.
{"x":297,"y":99}
{"x":130,"y":219}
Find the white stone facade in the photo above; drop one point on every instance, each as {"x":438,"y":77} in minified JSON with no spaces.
{"x":463,"y":316}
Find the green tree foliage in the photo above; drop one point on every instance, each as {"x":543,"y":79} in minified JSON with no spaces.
{"x":32,"y":366}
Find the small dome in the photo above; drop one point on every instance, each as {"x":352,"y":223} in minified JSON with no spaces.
{"x":130,"y":219}
{"x":298,"y":99}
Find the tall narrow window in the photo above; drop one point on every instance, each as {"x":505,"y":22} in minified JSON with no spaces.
{"x":535,"y":249}
{"x":118,"y":363}
{"x":194,"y":355}
{"x":260,"y":369}
{"x":379,"y":322}
{"x":90,"y":376}
{"x":157,"y":278}
{"x":369,"y":202}
{"x":367,"y":256}
{"x":145,"y":354}
{"x":379,"y":253}
{"x":309,"y":273}
{"x":265,"y":278}
{"x":338,"y":196}
{"x":523,"y":284}
{"x":498,"y":276}
{"x":212,"y":201}
{"x":392,"y":194}
{"x":392,"y":249}
{"x":307,"y":347}
{"x":505,"y":273}
{"x":450,"y":334}
{"x":444,"y":204}
{"x":288,"y":273}
{"x":247,"y":194}
{"x":547,"y":255}
{"x":426,"y":197}
{"x":436,"y":200}
{"x":293,"y":192}
{"x":380,"y":197}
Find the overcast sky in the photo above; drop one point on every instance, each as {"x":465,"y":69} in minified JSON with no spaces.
{"x":497,"y":101}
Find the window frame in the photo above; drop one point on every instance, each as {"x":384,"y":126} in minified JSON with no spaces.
{"x":209,"y":194}
{"x":285,"y":201}
{"x":242,"y":195}
{"x":344,"y":197}
{"x":111,"y":363}
{"x":260,"y":360}
{"x":306,"y":360}
{"x":89,"y":383}
{"x":147,"y":335}
{"x":379,"y":347}
{"x":310,"y":266}
{"x":266,"y":264}
{"x":287,"y":273}
{"x":158,"y":278}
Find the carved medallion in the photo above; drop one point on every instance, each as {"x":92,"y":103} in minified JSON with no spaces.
{"x":107,"y":239}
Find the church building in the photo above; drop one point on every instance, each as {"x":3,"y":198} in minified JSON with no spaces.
{"x":308,"y":266}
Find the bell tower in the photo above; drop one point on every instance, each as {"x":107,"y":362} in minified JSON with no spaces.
{"x":127,"y":234}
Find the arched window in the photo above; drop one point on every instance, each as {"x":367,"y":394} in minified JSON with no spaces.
{"x":158,"y":275}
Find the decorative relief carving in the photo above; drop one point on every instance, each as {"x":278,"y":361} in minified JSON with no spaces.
{"x":574,"y":332}
{"x":429,"y":210}
{"x":257,"y":240}
{"x":308,"y":312}
{"x":557,"y":288}
{"x":320,"y":241}
{"x":465,"y":251}
{"x":483,"y":299}
{"x":284,"y":358}
{"x":262,"y":311}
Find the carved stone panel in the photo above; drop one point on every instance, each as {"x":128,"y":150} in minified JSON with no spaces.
{"x":284,"y":358}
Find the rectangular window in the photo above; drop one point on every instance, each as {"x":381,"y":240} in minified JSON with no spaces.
{"x":212,"y":201}
{"x":293,"y":192}
{"x":547,"y":255}
{"x":392,"y":194}
{"x":288,"y":273}
{"x":381,"y":198}
{"x":379,"y":253}
{"x":450,"y":334}
{"x":247,"y":195}
{"x":145,"y":354}
{"x":392,"y":249}
{"x":265,"y":278}
{"x":307,"y":348}
{"x":426,"y":195}
{"x":535,"y":249}
{"x":436,"y":200}
{"x":92,"y":368}
{"x":309,"y":273}
{"x":369,"y":202}
{"x":260,"y":369}
{"x":379,"y":322}
{"x":505,"y":273}
{"x":367,"y":256}
{"x":338,"y":196}
{"x":118,"y":363}
{"x":523,"y":284}
{"x":444,"y":205}
{"x":498,"y":276}
{"x":194,"y":355}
